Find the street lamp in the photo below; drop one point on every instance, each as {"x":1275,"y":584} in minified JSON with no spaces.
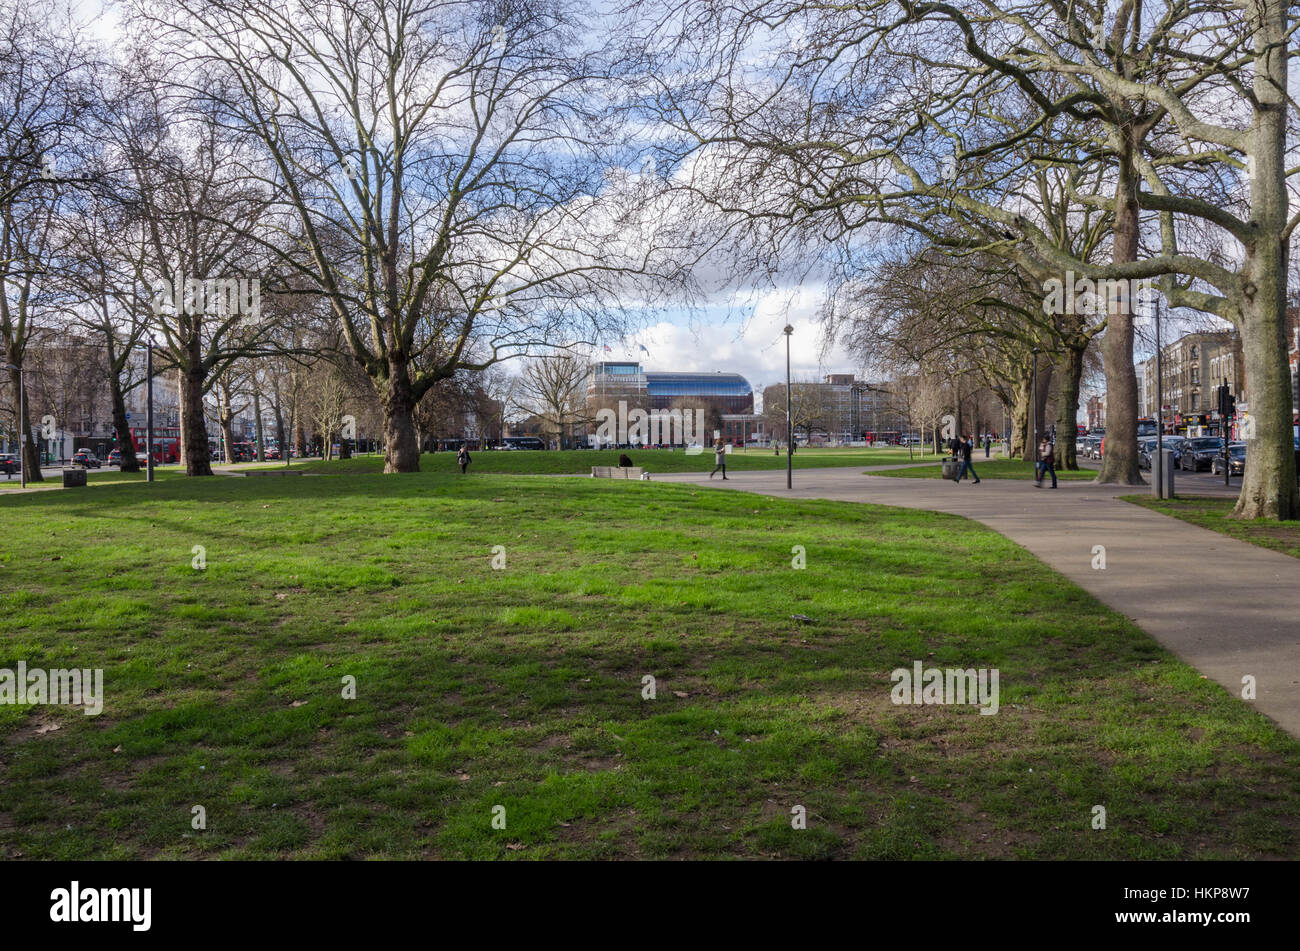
{"x":22,"y":430}
{"x":789,"y":430}
{"x":1158,"y":467}
{"x":1035,"y":408}
{"x":148,"y":412}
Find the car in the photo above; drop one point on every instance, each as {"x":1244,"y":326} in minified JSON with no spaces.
{"x":86,"y":459}
{"x":1147,"y":450}
{"x":115,"y":457}
{"x":1091,"y":447}
{"x":1199,"y":453}
{"x":1236,"y":460}
{"x":10,"y":464}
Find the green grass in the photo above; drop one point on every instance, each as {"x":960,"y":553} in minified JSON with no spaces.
{"x":570,"y":462}
{"x":993,"y":469}
{"x":1214,"y":514}
{"x":99,"y":477}
{"x":522,"y":687}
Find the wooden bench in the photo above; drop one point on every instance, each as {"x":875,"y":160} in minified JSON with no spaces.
{"x":617,"y":472}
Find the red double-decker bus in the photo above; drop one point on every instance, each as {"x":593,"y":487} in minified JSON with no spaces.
{"x":166,"y":443}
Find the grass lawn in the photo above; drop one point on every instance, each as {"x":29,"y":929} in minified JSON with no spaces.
{"x":994,"y":469}
{"x":1212,"y":513}
{"x":99,"y":477}
{"x":523,"y":687}
{"x":570,"y":462}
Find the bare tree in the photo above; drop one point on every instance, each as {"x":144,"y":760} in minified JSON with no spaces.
{"x":554,"y":389}
{"x":441,"y":162}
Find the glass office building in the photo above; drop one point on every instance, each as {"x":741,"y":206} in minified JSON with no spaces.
{"x":613,"y":381}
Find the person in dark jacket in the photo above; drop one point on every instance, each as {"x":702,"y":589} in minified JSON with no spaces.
{"x":462,"y":457}
{"x":624,"y":461}
{"x":1046,"y":462}
{"x":965,"y":446}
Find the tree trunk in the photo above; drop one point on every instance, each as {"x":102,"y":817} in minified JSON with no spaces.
{"x":27,"y":449}
{"x":194,"y":428}
{"x":257,"y":422}
{"x":1067,"y":407}
{"x":1268,"y":488}
{"x":1020,"y":436}
{"x":402,"y":452}
{"x":1119,"y":463}
{"x":228,"y":435}
{"x":125,"y":445}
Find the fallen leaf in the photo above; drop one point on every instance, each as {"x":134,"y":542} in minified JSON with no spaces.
{"x":47,"y":728}
{"x":514,"y":846}
{"x":297,"y":703}
{"x":680,"y":693}
{"x":117,"y":749}
{"x":280,"y":596}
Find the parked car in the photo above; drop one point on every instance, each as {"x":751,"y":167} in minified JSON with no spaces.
{"x":1199,"y":453}
{"x":86,"y":459}
{"x":115,"y":457}
{"x":1081,"y":446}
{"x":10,"y":464}
{"x":1092,"y":447}
{"x":1236,"y":460}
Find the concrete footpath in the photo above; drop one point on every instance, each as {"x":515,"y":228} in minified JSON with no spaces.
{"x":1228,"y":608}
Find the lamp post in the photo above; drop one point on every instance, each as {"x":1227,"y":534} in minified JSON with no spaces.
{"x":1034,"y":410}
{"x":22,"y":431}
{"x":1158,"y":467}
{"x":148,"y":412}
{"x":789,"y":430}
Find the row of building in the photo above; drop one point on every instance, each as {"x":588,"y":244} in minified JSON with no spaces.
{"x":848,"y":410}
{"x":1192,"y":368}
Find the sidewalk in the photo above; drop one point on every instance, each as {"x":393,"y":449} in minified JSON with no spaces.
{"x":1228,"y":608}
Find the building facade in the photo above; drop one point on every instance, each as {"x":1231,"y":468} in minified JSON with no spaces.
{"x":1194,"y":366}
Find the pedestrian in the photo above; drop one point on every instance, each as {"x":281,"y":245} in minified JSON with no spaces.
{"x":966,"y":445}
{"x":462,"y":457}
{"x":1046,"y":462}
{"x":988,"y":444}
{"x":624,"y":461}
{"x":719,"y":459}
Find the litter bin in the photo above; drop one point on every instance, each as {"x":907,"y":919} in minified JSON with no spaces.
{"x":73,"y":477}
{"x":950,"y":468}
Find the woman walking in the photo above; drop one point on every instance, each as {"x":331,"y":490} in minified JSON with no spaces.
{"x":719,"y":459}
{"x":462,"y":457}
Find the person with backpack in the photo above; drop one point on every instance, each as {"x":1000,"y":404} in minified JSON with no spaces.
{"x":462,"y":457}
{"x":1046,"y":462}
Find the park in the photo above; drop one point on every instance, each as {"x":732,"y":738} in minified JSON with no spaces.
{"x":564,"y":432}
{"x":520,"y":681}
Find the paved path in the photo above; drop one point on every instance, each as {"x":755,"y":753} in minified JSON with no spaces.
{"x":1228,"y":608}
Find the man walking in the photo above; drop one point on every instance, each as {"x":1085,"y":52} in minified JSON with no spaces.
{"x":1046,"y":462}
{"x":966,"y":446}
